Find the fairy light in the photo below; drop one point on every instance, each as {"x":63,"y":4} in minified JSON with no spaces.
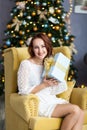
{"x":67,"y":18}
{"x":70,"y":8}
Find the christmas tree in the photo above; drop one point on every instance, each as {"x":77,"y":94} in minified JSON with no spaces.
{"x":32,"y":16}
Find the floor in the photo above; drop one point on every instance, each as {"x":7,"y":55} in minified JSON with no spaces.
{"x":2,"y":113}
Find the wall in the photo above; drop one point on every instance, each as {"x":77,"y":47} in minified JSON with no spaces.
{"x":79,"y":29}
{"x":5,"y":8}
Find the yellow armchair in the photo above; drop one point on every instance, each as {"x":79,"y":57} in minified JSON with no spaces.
{"x":21,"y":112}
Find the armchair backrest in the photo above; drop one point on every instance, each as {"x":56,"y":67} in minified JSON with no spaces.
{"x":12,"y":58}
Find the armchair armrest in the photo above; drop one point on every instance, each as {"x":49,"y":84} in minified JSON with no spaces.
{"x":79,"y":97}
{"x":24,"y":105}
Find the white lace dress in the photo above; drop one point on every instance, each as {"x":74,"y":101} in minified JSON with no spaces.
{"x":29,"y":76}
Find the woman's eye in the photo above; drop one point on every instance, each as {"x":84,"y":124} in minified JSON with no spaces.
{"x":43,"y":46}
{"x":35,"y":47}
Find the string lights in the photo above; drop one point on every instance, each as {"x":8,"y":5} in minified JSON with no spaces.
{"x":67,"y":18}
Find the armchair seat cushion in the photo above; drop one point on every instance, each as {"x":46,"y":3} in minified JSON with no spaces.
{"x":45,"y":123}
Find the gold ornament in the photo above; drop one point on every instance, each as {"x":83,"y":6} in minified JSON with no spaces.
{"x":33,"y":13}
{"x":13,"y":35}
{"x":21,"y":42}
{"x":54,"y":14}
{"x":49,"y":34}
{"x":56,"y":27}
{"x":53,"y":27}
{"x":28,"y":30}
{"x":58,"y":1}
{"x":35,"y":28}
{"x":5,"y":46}
{"x":9,"y":26}
{"x":58,"y":11}
{"x":20,"y":32}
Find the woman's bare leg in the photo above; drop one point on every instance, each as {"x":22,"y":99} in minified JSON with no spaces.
{"x":71,"y":114}
{"x":79,"y":123}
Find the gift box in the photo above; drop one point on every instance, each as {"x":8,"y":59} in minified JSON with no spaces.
{"x":57,"y":67}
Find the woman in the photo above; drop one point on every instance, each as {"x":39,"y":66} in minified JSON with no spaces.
{"x":30,"y":81}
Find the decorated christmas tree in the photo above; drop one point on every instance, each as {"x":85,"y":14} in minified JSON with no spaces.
{"x":33,"y":16}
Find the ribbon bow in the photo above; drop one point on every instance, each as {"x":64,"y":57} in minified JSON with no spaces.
{"x":42,"y":14}
{"x":48,"y":62}
{"x":16,"y":23}
{"x":21,"y":5}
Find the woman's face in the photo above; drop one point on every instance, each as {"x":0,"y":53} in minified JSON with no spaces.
{"x":39,"y":49}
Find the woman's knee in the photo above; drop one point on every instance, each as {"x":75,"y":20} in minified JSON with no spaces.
{"x":77,"y":110}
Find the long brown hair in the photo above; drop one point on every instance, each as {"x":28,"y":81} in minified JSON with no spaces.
{"x":47,"y":43}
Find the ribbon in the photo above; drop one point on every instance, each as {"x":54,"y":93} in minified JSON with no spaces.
{"x":16,"y":23}
{"x":60,"y":66}
{"x":21,"y":5}
{"x":53,"y":20}
{"x":42,"y":14}
{"x":48,"y":62}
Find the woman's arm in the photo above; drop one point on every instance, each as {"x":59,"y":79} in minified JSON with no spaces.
{"x":45,"y":83}
{"x":23,"y":80}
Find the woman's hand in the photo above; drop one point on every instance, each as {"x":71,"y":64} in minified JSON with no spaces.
{"x":49,"y":82}
{"x":45,"y":83}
